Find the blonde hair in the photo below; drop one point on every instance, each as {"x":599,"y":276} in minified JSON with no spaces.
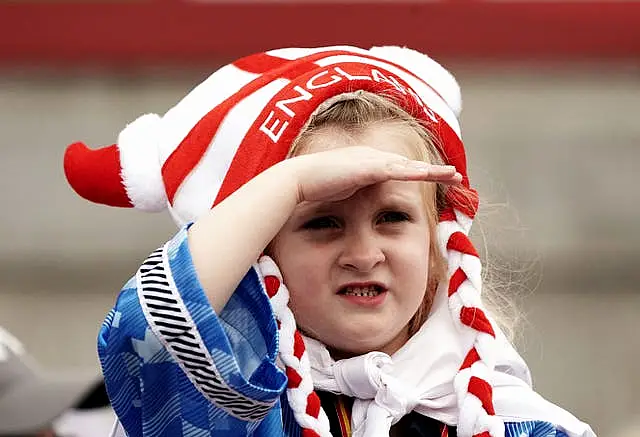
{"x":355,"y":113}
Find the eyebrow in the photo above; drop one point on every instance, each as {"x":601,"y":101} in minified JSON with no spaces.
{"x":402,"y":198}
{"x":313,"y":208}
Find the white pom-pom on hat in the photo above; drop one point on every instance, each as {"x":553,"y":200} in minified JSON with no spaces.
{"x":430,"y":71}
{"x":138,"y":144}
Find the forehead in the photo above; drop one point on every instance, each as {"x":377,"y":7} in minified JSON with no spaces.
{"x":387,"y":137}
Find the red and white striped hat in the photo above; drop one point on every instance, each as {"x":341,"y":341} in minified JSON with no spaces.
{"x":243,"y":119}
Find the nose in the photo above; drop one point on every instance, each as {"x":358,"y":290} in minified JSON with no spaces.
{"x":361,"y":252}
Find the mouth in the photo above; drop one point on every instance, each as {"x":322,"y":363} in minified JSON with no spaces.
{"x":362,"y":290}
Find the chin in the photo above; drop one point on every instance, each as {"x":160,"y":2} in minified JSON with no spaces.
{"x":358,"y":337}
{"x":342,"y":353}
{"x":359,"y":345}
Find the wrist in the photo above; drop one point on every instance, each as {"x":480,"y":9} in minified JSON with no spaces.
{"x":288,"y":175}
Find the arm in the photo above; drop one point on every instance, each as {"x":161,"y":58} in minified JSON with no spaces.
{"x":236,"y":231}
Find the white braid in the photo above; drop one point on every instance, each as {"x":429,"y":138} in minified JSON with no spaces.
{"x":473,"y":419}
{"x":298,"y":396}
{"x":464,"y":221}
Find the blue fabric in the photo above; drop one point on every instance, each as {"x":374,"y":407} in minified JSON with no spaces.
{"x":152,"y":393}
{"x":532,"y":429}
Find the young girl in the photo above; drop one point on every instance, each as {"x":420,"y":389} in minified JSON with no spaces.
{"x":322,"y":283}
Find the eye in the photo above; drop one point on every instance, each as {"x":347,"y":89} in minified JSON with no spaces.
{"x":325,"y":222}
{"x":393,"y":217}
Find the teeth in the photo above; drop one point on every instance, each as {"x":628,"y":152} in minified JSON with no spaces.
{"x":362,"y":291}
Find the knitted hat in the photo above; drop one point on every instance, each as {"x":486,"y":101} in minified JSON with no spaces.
{"x":242,"y":120}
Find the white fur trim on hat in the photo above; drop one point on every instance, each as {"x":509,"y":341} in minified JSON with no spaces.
{"x":138,"y":144}
{"x":438,"y":77}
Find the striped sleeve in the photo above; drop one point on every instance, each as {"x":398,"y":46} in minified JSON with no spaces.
{"x":173,"y":367}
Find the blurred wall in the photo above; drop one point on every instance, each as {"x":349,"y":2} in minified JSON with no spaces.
{"x":554,"y":151}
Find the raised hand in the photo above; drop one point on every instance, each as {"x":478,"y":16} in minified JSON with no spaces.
{"x":337,"y":174}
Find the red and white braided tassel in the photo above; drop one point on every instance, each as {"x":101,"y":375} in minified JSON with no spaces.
{"x":303,"y":400}
{"x":472,"y":382}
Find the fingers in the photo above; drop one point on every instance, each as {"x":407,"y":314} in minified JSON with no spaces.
{"x":338,"y":173}
{"x":408,"y":169}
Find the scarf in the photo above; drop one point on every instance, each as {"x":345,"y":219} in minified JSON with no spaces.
{"x":419,"y":377}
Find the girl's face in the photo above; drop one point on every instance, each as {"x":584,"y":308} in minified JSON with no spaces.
{"x":357,"y":269}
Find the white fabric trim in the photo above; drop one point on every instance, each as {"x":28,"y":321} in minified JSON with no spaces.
{"x":141,"y":166}
{"x":427,"y":69}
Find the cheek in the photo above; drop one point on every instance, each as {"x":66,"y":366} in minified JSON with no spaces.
{"x":302,"y":266}
{"x":306,"y":281}
{"x":415,"y":260}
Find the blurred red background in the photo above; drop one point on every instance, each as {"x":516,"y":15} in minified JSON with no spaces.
{"x":121,"y":32}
